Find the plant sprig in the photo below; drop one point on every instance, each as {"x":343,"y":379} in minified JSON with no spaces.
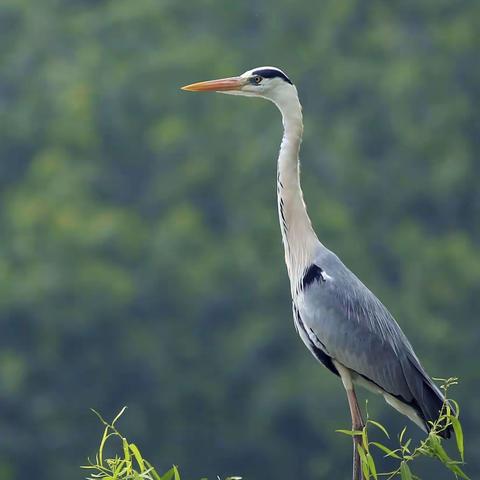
{"x":431,"y":446}
{"x":129,"y":464}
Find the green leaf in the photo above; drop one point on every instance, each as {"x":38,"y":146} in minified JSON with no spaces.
{"x":459,"y":472}
{"x":380,"y":426}
{"x":100,"y":417}
{"x":105,"y":437}
{"x":407,"y":444}
{"x":364,"y":462}
{"x":138,"y":457}
{"x":365,"y":439}
{"x":405,"y":472}
{"x":456,"y":406}
{"x":442,"y":455}
{"x":126,"y":450}
{"x":169,"y":475}
{"x":389,"y":453}
{"x":176,"y":474}
{"x":151,"y":471}
{"x":352,"y":433}
{"x":457,"y":428}
{"x":453,"y":466}
{"x":118,"y":415}
{"x":120,"y":469}
{"x":402,"y":434}
{"x":371,"y":466}
{"x":438,"y":450}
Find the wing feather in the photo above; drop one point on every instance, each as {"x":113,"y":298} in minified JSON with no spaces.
{"x":356,"y":329}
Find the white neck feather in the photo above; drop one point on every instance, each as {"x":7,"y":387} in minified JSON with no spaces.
{"x":298,"y":237}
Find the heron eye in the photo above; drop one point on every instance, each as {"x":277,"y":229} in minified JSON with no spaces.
{"x":257,"y":79}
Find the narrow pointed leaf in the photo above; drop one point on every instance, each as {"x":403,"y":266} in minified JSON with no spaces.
{"x":364,"y":462}
{"x":126,"y":450}
{"x":380,"y":426}
{"x":371,"y":466}
{"x":352,"y":433}
{"x":100,"y":417}
{"x":456,"y":406}
{"x":138,"y":457}
{"x":169,"y":475}
{"x":407,"y":444}
{"x":457,"y":428}
{"x":458,"y":471}
{"x":389,"y":453}
{"x":365,"y":439}
{"x":405,"y":472}
{"x":119,"y":415}
{"x":439,"y":451}
{"x":152,"y":472}
{"x":105,"y":437}
{"x":176,"y":474}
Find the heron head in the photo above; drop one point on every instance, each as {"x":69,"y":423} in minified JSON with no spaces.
{"x":266,"y":82}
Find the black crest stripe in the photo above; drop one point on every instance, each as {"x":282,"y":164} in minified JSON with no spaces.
{"x":272,"y":73}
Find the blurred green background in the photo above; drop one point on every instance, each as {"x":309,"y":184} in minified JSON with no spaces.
{"x":140,"y":253}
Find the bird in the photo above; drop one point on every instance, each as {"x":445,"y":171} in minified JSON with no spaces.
{"x":342,"y":323}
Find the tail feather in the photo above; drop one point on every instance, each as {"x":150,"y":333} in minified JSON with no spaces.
{"x":431,"y":406}
{"x":428,"y":399}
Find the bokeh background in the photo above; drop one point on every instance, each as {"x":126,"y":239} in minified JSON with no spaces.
{"x":140,"y":253}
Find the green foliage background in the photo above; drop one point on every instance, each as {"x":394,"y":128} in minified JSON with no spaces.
{"x":140,"y":256}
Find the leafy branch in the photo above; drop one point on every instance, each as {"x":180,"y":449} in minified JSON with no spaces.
{"x":430,"y":447}
{"x":128,"y":464}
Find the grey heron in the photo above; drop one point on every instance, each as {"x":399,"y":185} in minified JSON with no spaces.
{"x":339,"y":319}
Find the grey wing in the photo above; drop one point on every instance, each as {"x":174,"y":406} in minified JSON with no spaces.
{"x":343,"y":320}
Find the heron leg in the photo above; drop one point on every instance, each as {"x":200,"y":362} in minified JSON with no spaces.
{"x":357,"y":420}
{"x":357,"y":424}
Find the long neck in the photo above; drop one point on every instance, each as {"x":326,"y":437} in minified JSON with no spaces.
{"x":298,"y":237}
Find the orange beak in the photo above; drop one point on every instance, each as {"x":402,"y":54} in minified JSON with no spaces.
{"x":221,"y":85}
